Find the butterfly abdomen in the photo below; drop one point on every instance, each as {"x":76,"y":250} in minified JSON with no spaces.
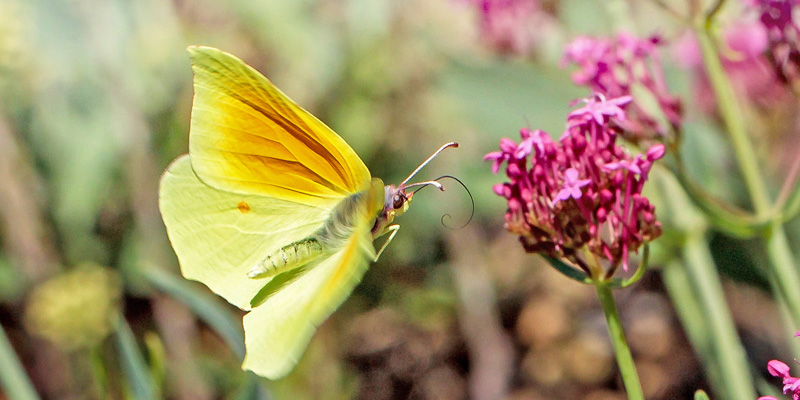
{"x":328,"y":239}
{"x":293,"y":255}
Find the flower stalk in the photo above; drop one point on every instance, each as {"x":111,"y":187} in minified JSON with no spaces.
{"x":695,"y":288}
{"x":621,"y":350}
{"x":731,"y":360}
{"x":782,"y":265}
{"x":578,"y":202}
{"x":732,"y":115}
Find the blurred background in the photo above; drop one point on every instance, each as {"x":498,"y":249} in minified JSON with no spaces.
{"x":95,"y":97}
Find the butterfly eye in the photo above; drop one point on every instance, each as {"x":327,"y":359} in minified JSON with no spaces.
{"x":398,"y":200}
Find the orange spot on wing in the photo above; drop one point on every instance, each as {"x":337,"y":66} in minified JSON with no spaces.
{"x":243,"y":207}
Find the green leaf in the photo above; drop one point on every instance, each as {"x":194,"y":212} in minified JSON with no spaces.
{"x":251,"y":390}
{"x":12,"y":376}
{"x":203,"y":304}
{"x":568,"y":270}
{"x":133,"y":364}
{"x":158,"y":357}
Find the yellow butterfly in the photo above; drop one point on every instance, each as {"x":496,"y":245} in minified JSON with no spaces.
{"x":271,"y":209}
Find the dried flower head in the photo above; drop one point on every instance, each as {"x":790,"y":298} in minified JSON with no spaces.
{"x":579,"y":198}
{"x":613,"y":67}
{"x":75,"y":310}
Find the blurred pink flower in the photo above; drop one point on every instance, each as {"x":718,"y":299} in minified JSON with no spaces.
{"x":509,"y":26}
{"x":783,"y":33}
{"x":748,"y":40}
{"x":583,"y":191}
{"x":612,"y":67}
{"x":749,"y":69}
{"x":762,"y":56}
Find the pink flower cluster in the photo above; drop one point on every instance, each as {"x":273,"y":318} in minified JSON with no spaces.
{"x":582,"y":192}
{"x":613,"y":67}
{"x":791,"y":384}
{"x":783,"y":34}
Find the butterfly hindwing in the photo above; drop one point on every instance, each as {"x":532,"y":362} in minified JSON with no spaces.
{"x":218,"y":236}
{"x":278,"y":331}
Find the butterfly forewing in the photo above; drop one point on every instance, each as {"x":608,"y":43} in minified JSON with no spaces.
{"x":248,"y":137}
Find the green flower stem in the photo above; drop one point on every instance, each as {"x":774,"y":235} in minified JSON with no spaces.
{"x":734,"y":222}
{"x":695,"y":324}
{"x":725,"y":345}
{"x":624,"y":358}
{"x":715,"y":9}
{"x":12,"y":376}
{"x":695,"y":289}
{"x":732,"y":114}
{"x":786,"y":316}
{"x":100,"y":379}
{"x":792,"y":205}
{"x":786,"y":278}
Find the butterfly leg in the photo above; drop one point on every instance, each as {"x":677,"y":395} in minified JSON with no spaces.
{"x":391,"y":230}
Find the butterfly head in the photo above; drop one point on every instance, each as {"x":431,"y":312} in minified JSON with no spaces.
{"x":395,"y":201}
{"x":397,"y":198}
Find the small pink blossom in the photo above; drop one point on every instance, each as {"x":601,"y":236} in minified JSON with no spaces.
{"x":497,"y":158}
{"x":572,"y":186}
{"x":791,"y":384}
{"x":625,"y":164}
{"x":599,"y":109}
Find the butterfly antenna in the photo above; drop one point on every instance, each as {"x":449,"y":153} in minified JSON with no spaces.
{"x":446,"y":145}
{"x":425,"y":183}
{"x":448,"y":216}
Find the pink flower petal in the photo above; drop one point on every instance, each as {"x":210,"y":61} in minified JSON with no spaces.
{"x":778,"y":368}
